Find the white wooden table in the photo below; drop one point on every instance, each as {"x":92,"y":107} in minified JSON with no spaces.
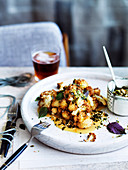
{"x":19,"y":93}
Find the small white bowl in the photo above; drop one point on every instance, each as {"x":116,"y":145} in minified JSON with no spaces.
{"x":117,"y":104}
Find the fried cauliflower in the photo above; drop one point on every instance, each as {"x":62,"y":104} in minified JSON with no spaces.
{"x":73,"y":103}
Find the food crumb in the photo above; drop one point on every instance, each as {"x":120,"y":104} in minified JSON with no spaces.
{"x":31,"y":146}
{"x":90,"y":138}
{"x":63,"y":128}
{"x":118,"y":136}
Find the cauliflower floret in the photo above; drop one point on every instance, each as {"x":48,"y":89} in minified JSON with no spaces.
{"x":70,"y":98}
{"x":91,"y":90}
{"x":41,"y":103}
{"x":55,"y":103}
{"x":59,"y":110}
{"x":79,"y":102}
{"x":75,"y":112}
{"x":68,"y":94}
{"x":90,"y":99}
{"x":85,"y":122}
{"x":63,"y":104}
{"x":72,"y":107}
{"x":101,"y":99}
{"x":95,"y":103}
{"x":83,"y":84}
{"x":54,"y":110}
{"x":45,"y":101}
{"x":97,"y":91}
{"x":66,"y":115}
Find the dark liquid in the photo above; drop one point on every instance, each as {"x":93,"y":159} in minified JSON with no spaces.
{"x":44,"y":69}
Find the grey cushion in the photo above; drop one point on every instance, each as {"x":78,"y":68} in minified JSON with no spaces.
{"x":16,"y":42}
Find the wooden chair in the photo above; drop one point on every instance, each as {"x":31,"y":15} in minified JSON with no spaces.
{"x":66,"y":48}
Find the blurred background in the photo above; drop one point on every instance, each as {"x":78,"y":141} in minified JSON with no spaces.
{"x":90,"y":24}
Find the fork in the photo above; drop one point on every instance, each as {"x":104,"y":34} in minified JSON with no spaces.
{"x":35,"y":131}
{"x":9,"y":130}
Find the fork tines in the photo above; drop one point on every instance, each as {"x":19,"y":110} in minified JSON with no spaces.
{"x":12,"y":112}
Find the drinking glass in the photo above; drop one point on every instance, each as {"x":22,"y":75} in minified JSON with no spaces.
{"x":45,"y":60}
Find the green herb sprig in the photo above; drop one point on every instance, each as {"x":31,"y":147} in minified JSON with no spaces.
{"x":43,"y":112}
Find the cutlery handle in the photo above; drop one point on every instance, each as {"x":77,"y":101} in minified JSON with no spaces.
{"x":14,"y":156}
{"x":8,"y":124}
{"x":7,"y":145}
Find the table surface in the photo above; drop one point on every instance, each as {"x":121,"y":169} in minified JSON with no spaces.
{"x":19,"y":93}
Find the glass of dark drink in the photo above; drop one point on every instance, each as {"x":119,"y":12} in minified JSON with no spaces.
{"x":45,"y":61}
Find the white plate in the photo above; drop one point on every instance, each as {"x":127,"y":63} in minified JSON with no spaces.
{"x":69,"y":141}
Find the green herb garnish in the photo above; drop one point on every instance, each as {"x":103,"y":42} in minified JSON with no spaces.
{"x":60,"y":96}
{"x":66,"y":96}
{"x":78,"y":92}
{"x":104,"y":119}
{"x":118,"y":136}
{"x":37,"y":99}
{"x":98,"y":127}
{"x":43,"y":112}
{"x":96,"y":117}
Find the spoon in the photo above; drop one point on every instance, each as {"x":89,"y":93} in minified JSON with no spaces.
{"x":109,"y":65}
{"x":35,"y":131}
